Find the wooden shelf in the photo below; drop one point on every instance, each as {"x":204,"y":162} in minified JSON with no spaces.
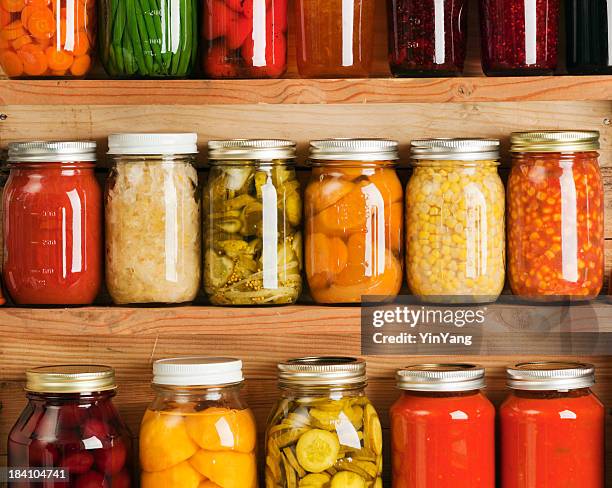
{"x":300,"y":91}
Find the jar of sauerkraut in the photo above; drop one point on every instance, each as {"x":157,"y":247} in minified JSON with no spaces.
{"x":153,"y":219}
{"x":455,"y":242}
{"x":252,"y":223}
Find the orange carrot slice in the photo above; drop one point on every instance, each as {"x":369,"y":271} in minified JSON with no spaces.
{"x":4,"y":44}
{"x":5,"y":17}
{"x":11,"y":64}
{"x":81,"y":65}
{"x":12,"y":5}
{"x":41,"y":23}
{"x":58,"y":60}
{"x":21,"y":41}
{"x":12,"y":31}
{"x":26,"y":13}
{"x":81,"y":43}
{"x":58,"y":73}
{"x":34,"y":60}
{"x":38,"y":3}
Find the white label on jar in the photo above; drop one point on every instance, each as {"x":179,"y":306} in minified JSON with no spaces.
{"x":348,"y":14}
{"x":531,"y":53}
{"x":270,"y":235}
{"x":440,"y":38}
{"x":259,"y":32}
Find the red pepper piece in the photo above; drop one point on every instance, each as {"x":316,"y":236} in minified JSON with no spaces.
{"x":237,"y":32}
{"x":217,"y":19}
{"x":110,"y":460}
{"x":278,"y":20}
{"x":121,"y":480}
{"x":77,"y":462}
{"x":243,"y":7}
{"x":91,"y":480}
{"x":276,"y":56}
{"x":216,"y":64}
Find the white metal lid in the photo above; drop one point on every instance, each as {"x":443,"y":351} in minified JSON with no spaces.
{"x":52,"y":151}
{"x":550,"y":376}
{"x":441,"y":377}
{"x":169,"y":143}
{"x":197,"y":371}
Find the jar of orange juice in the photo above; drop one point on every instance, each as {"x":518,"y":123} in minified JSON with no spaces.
{"x":198,"y":432}
{"x":354,"y":221}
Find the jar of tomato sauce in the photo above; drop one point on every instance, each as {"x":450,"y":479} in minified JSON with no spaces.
{"x":442,"y":428}
{"x":354,"y":221}
{"x":52,"y":224}
{"x":552,"y":427}
{"x":555,"y":216}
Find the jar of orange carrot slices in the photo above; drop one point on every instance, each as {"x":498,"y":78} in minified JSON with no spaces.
{"x":47,"y":38}
{"x":354,"y":221}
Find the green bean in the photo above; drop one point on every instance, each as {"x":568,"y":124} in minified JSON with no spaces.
{"x":150,"y":32}
{"x":164,"y":60}
{"x":119,"y":24}
{"x":185,"y":61}
{"x":147,"y":51}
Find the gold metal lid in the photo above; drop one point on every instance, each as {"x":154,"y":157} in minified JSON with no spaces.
{"x":441,"y":377}
{"x":70,"y":378}
{"x":555,"y":141}
{"x":323,"y":371}
{"x":550,"y":376}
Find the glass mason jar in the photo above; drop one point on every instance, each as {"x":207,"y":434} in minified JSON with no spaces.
{"x":252,"y":223}
{"x":47,"y":38}
{"x":198,"y":432}
{"x":244,"y":38}
{"x":589,"y":41}
{"x":552,"y":427}
{"x":354,"y":221}
{"x":335,"y":39}
{"x":442,"y":405}
{"x":153,"y":242}
{"x":555,"y":215}
{"x":519,"y":37}
{"x":70,"y":422}
{"x":52,"y":224}
{"x":427,"y":37}
{"x":323,"y":431}
{"x":455,"y":249}
{"x":148,"y":39}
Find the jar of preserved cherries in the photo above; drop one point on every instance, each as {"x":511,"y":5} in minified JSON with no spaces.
{"x":555,"y":216}
{"x":442,"y":405}
{"x":354,"y":221}
{"x":552,"y":427}
{"x":455,"y":249}
{"x":334,"y":39}
{"x":152,"y":209}
{"x":198,"y":432}
{"x":589,"y":45}
{"x":245,"y":38}
{"x":47,"y":38}
{"x":52,"y":224}
{"x":427,"y":37}
{"x":519,"y":37}
{"x":70,"y":423}
{"x":323,"y":431}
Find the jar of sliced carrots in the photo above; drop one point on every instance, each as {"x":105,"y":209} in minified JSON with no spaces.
{"x":354,"y":221}
{"x":47,"y":38}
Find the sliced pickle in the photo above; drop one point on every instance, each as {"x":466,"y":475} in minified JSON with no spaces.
{"x":273,"y":468}
{"x":287,"y":438}
{"x":370,"y":468}
{"x":346,"y":465}
{"x":314,"y":480}
{"x":317,"y":450}
{"x":294,"y":462}
{"x":355,"y":415}
{"x":324,"y":419}
{"x":373,"y":430}
{"x":347,"y":479}
{"x":218,"y":269}
{"x":290,"y":475}
{"x":378,"y":483}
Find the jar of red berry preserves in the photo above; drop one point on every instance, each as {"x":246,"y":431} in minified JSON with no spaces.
{"x":70,"y":422}
{"x":519,"y":37}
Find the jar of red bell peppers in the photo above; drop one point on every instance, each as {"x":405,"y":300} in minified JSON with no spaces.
{"x":70,"y":423}
{"x":442,"y":407}
{"x":552,"y":427}
{"x":519,"y":37}
{"x":555,"y":216}
{"x":244,"y":38}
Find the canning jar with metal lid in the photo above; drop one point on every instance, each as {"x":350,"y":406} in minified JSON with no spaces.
{"x":71,"y":423}
{"x":354,"y":221}
{"x":455,"y":233}
{"x":555,"y":215}
{"x":52,"y":224}
{"x":252,"y":223}
{"x":323,"y":430}
{"x":152,"y":209}
{"x":198,"y":431}
{"x":552,"y":427}
{"x":442,"y":405}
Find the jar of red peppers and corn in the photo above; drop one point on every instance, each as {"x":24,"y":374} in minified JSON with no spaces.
{"x":555,"y":216}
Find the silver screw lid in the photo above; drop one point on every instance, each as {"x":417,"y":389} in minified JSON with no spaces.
{"x":442,"y":377}
{"x":322,"y":372}
{"x":251,"y":149}
{"x":550,"y":376}
{"x":455,"y":149}
{"x":367,"y":150}
{"x":51,"y":151}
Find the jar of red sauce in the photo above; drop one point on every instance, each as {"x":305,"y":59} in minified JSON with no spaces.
{"x":52,"y":224}
{"x":443,"y":428}
{"x":552,"y":427}
{"x":519,"y":37}
{"x":555,"y":216}
{"x":70,"y":422}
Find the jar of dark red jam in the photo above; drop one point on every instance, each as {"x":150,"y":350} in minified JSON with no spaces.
{"x":427,"y":37}
{"x":52,"y":224}
{"x":552,"y":427}
{"x":443,"y":428}
{"x":70,"y":423}
{"x":589,"y":36}
{"x":519,"y":37}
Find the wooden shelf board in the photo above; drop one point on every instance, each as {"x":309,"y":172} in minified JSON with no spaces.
{"x":302,"y":91}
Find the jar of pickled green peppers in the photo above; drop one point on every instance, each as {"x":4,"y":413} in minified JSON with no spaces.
{"x":148,"y":38}
{"x":324,"y":431}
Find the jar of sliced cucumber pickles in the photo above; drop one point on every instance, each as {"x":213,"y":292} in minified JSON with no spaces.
{"x":324,"y":431}
{"x":455,"y":243}
{"x":252,"y":223}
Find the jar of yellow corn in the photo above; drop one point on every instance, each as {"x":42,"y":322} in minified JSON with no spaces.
{"x":455,"y":242}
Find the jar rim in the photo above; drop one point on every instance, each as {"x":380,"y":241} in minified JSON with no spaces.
{"x":441,"y":377}
{"x":555,"y":141}
{"x":243,"y":151}
{"x":459,"y":149}
{"x":324,"y":151}
{"x":51,"y":151}
{"x":70,"y":378}
{"x":197,"y":371}
{"x":550,"y":375}
{"x":323,"y":372}
{"x":166,"y":143}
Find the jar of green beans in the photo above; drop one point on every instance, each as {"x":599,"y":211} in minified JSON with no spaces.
{"x":148,"y":38}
